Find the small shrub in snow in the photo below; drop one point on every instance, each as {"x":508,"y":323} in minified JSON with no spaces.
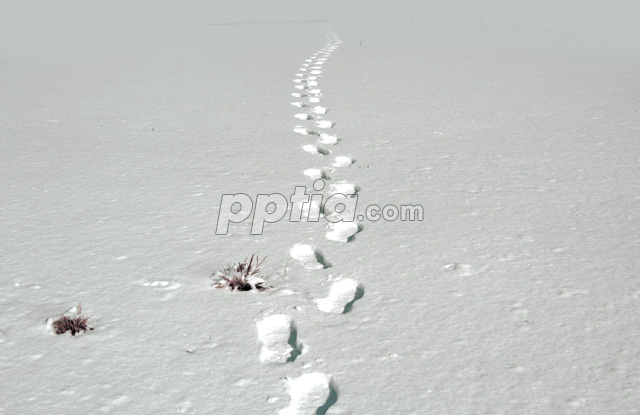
{"x":75,"y":323}
{"x":243,"y":276}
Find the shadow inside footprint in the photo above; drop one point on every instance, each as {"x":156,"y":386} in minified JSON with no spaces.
{"x":293,"y":342}
{"x":333,"y":398}
{"x":322,"y":260}
{"x":353,"y":237}
{"x":359,"y":295}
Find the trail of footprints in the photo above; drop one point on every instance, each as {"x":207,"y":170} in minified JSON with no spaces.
{"x":315,"y":392}
{"x":310,"y":393}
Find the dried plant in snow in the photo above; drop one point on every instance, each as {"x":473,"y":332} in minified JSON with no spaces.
{"x":73,"y":323}
{"x":243,"y":276}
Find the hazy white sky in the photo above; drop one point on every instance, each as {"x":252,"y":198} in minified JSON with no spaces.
{"x":592,"y":15}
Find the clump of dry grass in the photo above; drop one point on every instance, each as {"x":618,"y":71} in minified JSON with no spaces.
{"x":243,"y":276}
{"x":74,"y":324}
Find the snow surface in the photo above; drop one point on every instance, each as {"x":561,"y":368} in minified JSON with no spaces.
{"x":517,"y":294}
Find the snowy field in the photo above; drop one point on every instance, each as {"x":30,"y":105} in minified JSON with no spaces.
{"x":517,"y":294}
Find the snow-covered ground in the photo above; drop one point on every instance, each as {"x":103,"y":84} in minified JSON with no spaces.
{"x":517,"y":294}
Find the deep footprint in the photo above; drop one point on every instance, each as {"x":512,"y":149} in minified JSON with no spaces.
{"x":325,"y":124}
{"x":315,"y":174}
{"x":341,"y":297}
{"x":343,"y":188}
{"x":311,"y":394}
{"x":342,"y":161}
{"x":309,"y":256}
{"x":304,"y":131}
{"x":328,"y":139}
{"x":278,"y":337}
{"x":342,"y":231}
{"x":313,"y":149}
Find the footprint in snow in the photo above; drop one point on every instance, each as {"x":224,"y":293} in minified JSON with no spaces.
{"x":315,"y":72}
{"x":278,"y":336}
{"x":342,"y":161}
{"x":304,"y":116}
{"x":309,"y":256}
{"x":315,"y":99}
{"x":344,"y":188}
{"x":163,"y":285}
{"x":303,"y":130}
{"x":313,"y":149}
{"x":319,"y":110}
{"x":299,"y":104}
{"x":339,"y":207}
{"x":328,"y":139}
{"x":324,"y":124}
{"x":310,"y":211}
{"x":315,"y":174}
{"x":341,"y":297}
{"x":311,"y":393}
{"x":342,"y":231}
{"x":459,"y":270}
{"x":298,"y":95}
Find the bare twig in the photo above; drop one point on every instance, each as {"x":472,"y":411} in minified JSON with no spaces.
{"x":283,"y":277}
